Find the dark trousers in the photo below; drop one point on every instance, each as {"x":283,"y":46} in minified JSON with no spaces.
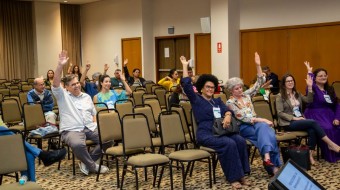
{"x":315,"y":132}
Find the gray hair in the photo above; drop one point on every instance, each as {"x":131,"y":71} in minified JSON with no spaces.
{"x":232,"y":82}
{"x":96,"y":75}
{"x":68,"y":78}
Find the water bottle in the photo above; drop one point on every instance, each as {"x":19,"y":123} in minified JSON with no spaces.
{"x":23,"y":180}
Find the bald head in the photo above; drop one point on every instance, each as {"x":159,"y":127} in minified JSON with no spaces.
{"x":39,"y":85}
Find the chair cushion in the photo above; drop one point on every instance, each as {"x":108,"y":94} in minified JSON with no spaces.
{"x":207,"y":149}
{"x":14,"y":186}
{"x":285,"y":137}
{"x":118,"y":151}
{"x":147,"y":159}
{"x":18,"y":127}
{"x":189,"y":155}
{"x":299,"y":133}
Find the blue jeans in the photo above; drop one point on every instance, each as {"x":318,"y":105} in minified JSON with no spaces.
{"x":263,"y":137}
{"x":31,"y":153}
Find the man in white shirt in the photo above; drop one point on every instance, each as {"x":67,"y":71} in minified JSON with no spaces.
{"x":77,"y":118}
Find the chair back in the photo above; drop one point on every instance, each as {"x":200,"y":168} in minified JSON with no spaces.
{"x":180,"y":110}
{"x":336,"y":86}
{"x":145,"y":96}
{"x":12,"y":153}
{"x":160,"y":93}
{"x":100,"y":106}
{"x":124,"y":107}
{"x":33,"y":115}
{"x":23,"y":98}
{"x":148,"y":86}
{"x":171,"y":129}
{"x":194,"y":126}
{"x":222,"y":96}
{"x":4,"y":91}
{"x":156,"y":107}
{"x":272,"y":99}
{"x":187,"y":110}
{"x":26,"y":87}
{"x":147,"y":111}
{"x":257,"y":98}
{"x":10,"y":110}
{"x":262,"y":109}
{"x":138,"y":96}
{"x":106,"y":121}
{"x":30,"y":80}
{"x":135,"y":132}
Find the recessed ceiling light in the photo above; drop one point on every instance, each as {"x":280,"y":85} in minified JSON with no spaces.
{"x":65,"y":1}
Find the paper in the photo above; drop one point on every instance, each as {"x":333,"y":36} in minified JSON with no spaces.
{"x":166,"y":52}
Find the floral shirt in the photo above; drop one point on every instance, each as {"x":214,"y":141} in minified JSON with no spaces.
{"x":245,"y":111}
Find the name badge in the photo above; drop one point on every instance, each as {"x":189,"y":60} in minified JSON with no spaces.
{"x":217,"y":112}
{"x":110,"y":104}
{"x":297,"y":112}
{"x":327,"y":98}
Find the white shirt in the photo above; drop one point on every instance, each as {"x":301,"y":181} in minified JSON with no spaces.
{"x":75,"y":112}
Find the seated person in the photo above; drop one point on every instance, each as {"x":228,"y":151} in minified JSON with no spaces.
{"x":170,"y":81}
{"x":40,"y":95}
{"x":91,"y":87}
{"x":289,"y":106}
{"x":48,"y":158}
{"x":116,"y":81}
{"x":257,"y":130}
{"x":273,"y":78}
{"x":133,"y":80}
{"x":77,"y":119}
{"x":108,"y":96}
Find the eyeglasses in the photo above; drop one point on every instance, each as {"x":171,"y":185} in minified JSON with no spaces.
{"x":289,"y":81}
{"x":209,"y":87}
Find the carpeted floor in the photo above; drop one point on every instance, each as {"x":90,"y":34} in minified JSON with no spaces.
{"x":327,"y":174}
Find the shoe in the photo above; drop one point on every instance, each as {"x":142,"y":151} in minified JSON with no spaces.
{"x":269,"y":167}
{"x":103,"y":169}
{"x":267,"y":163}
{"x":51,"y":157}
{"x":236,"y":185}
{"x":83,"y":168}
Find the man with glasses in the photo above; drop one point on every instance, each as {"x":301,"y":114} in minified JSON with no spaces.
{"x":116,"y":81}
{"x":40,"y":95}
{"x":77,"y":119}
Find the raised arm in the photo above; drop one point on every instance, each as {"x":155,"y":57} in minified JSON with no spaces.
{"x":106,"y":67}
{"x":260,"y":78}
{"x":258,"y":65}
{"x":126,"y":85}
{"x":57,"y":73}
{"x":185,"y":64}
{"x":83,"y":76}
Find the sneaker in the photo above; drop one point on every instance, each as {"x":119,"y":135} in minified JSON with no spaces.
{"x":51,"y":157}
{"x":103,"y":169}
{"x":83,"y":168}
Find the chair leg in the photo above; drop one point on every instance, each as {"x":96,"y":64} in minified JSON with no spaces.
{"x":192,"y":168}
{"x":214,"y":162}
{"x":73,"y":164}
{"x":171,"y":177}
{"x":117,"y":172}
{"x":160,"y":177}
{"x":252,"y":158}
{"x":0,"y":179}
{"x":187,"y":169}
{"x":123,"y":175}
{"x":100,"y":165}
{"x":183,"y":175}
{"x":145,"y":174}
{"x":209,"y":162}
{"x":136,"y":176}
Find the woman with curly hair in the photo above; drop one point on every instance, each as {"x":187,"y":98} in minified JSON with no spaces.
{"x":255,"y":129}
{"x":75,"y":70}
{"x":232,"y":149}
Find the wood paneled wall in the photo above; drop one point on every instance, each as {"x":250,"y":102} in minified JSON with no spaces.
{"x":284,"y":50}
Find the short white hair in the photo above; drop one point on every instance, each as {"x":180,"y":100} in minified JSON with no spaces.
{"x":232,"y":82}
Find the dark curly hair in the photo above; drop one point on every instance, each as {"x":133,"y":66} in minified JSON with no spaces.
{"x":328,"y":88}
{"x":204,"y":79}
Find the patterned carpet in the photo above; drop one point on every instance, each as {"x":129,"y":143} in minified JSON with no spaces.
{"x":327,"y":174}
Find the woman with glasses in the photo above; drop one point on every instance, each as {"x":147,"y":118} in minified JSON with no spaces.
{"x":255,"y":129}
{"x":325,"y":110}
{"x":232,"y":149}
{"x":289,"y":106}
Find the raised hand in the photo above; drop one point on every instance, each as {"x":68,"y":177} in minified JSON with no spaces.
{"x":126,"y":61}
{"x":88,"y":66}
{"x":309,"y":68}
{"x":63,"y":58}
{"x":184,"y":60}
{"x":309,"y":81}
{"x":257,"y":59}
{"x":122,"y":76}
{"x":167,"y":78}
{"x":106,"y":67}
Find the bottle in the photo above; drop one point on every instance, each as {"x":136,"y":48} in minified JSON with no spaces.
{"x":23,"y":180}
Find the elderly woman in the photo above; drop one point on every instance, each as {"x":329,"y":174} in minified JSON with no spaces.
{"x":255,"y":129}
{"x":231,"y":150}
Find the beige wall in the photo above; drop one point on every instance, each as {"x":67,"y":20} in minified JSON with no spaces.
{"x":104,"y":24}
{"x":48,"y":36}
{"x":269,"y":13}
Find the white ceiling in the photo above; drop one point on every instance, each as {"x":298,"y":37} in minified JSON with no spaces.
{"x":69,"y":1}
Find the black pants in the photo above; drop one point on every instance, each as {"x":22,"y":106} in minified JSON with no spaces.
{"x":315,"y":132}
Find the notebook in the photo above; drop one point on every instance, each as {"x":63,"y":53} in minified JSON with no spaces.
{"x":293,"y":177}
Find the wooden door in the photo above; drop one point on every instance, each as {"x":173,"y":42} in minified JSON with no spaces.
{"x":202,"y":54}
{"x":132,"y":50}
{"x":168,"y":50}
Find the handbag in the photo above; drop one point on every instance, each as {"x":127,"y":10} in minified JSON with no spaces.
{"x":299,"y":154}
{"x":234,"y":127}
